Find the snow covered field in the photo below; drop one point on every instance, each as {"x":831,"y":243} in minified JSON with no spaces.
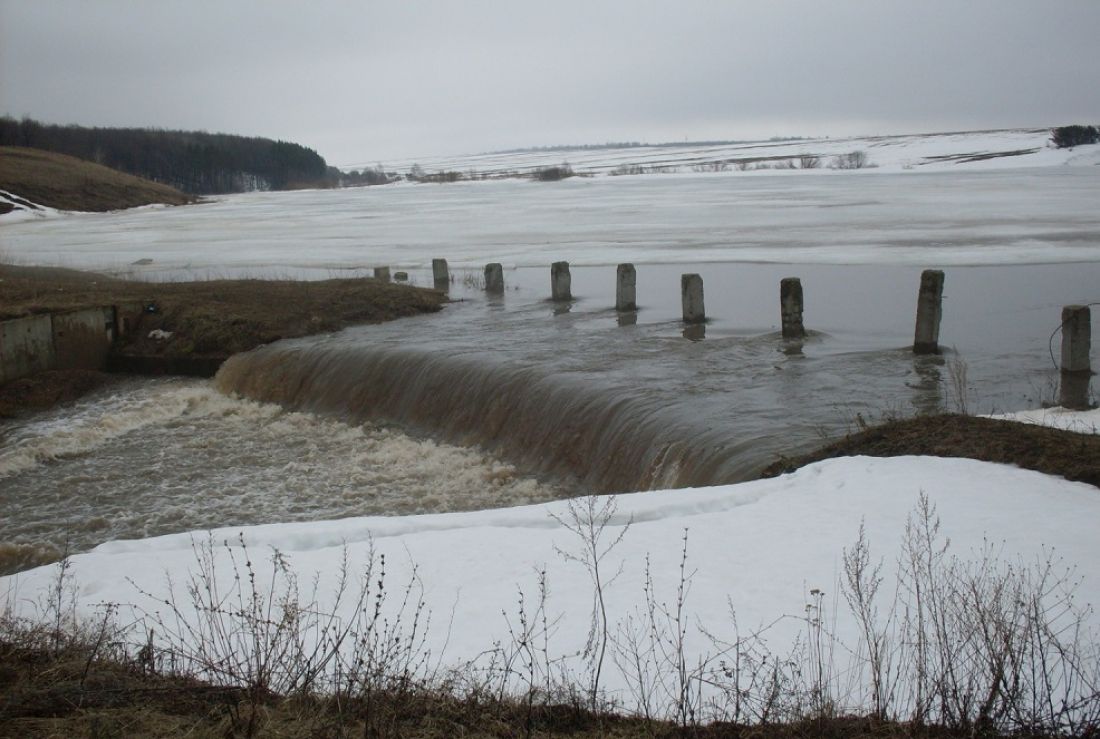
{"x":1038,"y":208}
{"x":758,"y":550}
{"x":1082,"y":422}
{"x":978,"y":150}
{"x":992,"y":199}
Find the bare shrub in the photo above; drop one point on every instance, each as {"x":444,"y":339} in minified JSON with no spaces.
{"x":388,"y":656}
{"x":473,"y":279}
{"x":958,"y":387}
{"x":862,"y":580}
{"x":820,"y":663}
{"x":56,"y":630}
{"x":852,"y":160}
{"x":60,"y":610}
{"x":652,"y":656}
{"x":1067,"y":137}
{"x":264,"y":634}
{"x":976,"y":645}
{"x":718,"y":166}
{"x":443,"y":176}
{"x":809,"y":161}
{"x":754,"y":686}
{"x":668,"y":625}
{"x":553,"y":174}
{"x":525,"y":660}
{"x":589,"y":519}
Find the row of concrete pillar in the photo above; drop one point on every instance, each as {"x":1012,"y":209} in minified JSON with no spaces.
{"x":1076,"y":319}
{"x":791,"y":305}
{"x":692,"y":303}
{"x":383,"y":274}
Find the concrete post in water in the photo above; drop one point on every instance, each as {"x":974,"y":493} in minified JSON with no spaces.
{"x":494,"y":278}
{"x":1076,"y":344}
{"x":382,"y":274}
{"x":790,"y":307}
{"x":1076,"y":338}
{"x":929,"y":311}
{"x":695,"y":331}
{"x":626,"y":295}
{"x":691,"y":295}
{"x":560,"y":281}
{"x":440,"y":275}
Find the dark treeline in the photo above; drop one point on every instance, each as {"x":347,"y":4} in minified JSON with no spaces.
{"x":367,"y":176}
{"x":194,"y":162}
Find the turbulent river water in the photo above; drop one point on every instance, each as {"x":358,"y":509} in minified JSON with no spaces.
{"x":500,"y":401}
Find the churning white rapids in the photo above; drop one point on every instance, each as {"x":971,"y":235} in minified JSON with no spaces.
{"x":148,"y":457}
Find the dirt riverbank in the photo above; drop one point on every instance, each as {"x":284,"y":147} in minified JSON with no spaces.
{"x":190,"y":327}
{"x":1071,"y":455}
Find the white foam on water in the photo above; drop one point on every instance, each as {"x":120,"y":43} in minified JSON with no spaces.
{"x":155,"y":457}
{"x":87,"y":426}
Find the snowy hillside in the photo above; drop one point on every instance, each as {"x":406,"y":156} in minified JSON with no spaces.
{"x":14,"y":209}
{"x":970,"y":150}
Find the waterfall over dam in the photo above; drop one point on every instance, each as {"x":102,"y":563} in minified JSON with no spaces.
{"x":605,"y":439}
{"x":571,"y":393}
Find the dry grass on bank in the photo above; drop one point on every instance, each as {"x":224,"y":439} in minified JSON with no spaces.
{"x":66,"y":695}
{"x":1053,"y":451}
{"x":76,"y":694}
{"x":223,"y":317}
{"x":69,"y":695}
{"x":203,"y":323}
{"x":218,"y":317}
{"x":67,"y":183}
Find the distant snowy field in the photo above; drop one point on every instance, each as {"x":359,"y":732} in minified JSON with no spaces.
{"x":992,"y":198}
{"x":970,"y":150}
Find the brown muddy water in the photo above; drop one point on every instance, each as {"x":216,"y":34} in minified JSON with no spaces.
{"x":515,"y":399}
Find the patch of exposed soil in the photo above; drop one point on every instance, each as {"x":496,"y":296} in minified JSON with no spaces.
{"x":1068,"y":454}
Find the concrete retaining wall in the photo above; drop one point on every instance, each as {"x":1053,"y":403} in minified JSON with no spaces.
{"x":79,"y":339}
{"x":82,"y":339}
{"x":26,"y":347}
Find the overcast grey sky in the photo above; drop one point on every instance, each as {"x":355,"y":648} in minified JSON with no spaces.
{"x":370,"y":80}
